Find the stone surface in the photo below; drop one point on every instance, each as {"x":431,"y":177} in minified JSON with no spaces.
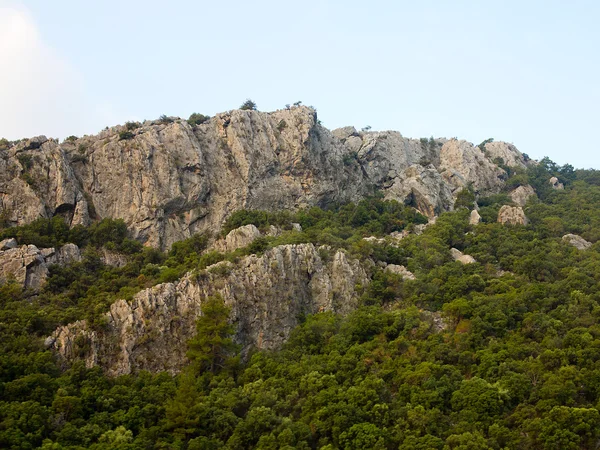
{"x":400,"y":270}
{"x":463,"y":165}
{"x":555,"y":183}
{"x":474,"y":217}
{"x":510,"y":155}
{"x":172,"y":180}
{"x":7,"y":244}
{"x":577,"y":241}
{"x":28,"y":265}
{"x":267,"y":294}
{"x":521,"y":194}
{"x":512,"y":215}
{"x":459,"y":256}
{"x":239,"y":238}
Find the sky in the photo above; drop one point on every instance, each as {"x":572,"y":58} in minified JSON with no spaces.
{"x":525,"y":72}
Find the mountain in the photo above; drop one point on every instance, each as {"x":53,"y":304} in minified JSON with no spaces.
{"x":169,"y":180}
{"x":254,"y":280}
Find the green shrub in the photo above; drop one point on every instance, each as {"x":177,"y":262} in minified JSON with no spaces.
{"x":125,"y":135}
{"x":248,"y":105}
{"x":197,"y":119}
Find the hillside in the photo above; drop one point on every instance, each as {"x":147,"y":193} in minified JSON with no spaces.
{"x":258,"y":281}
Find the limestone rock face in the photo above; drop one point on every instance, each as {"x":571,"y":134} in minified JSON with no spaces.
{"x":555,"y":183}
{"x":463,"y":164}
{"x":474,"y":218}
{"x":577,"y":241}
{"x":512,"y":215}
{"x":266,"y":294}
{"x":169,"y":180}
{"x":238,"y":238}
{"x":423,"y":188}
{"x":508,"y":152}
{"x":400,"y":270}
{"x":459,"y":256}
{"x":521,"y":194}
{"x":28,"y":265}
{"x":36,"y":180}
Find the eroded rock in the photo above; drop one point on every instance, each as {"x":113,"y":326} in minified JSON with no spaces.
{"x":459,"y":256}
{"x":267,"y":294}
{"x":577,"y":241}
{"x":474,"y":217}
{"x":512,"y":215}
{"x":521,"y":194}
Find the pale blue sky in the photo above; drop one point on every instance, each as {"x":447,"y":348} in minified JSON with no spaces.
{"x":526,"y":72}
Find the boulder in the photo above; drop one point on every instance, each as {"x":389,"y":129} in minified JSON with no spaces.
{"x":459,"y":256}
{"x":521,"y":194}
{"x":400,"y":270}
{"x":577,"y":241}
{"x":474,"y":218}
{"x":512,"y":215}
{"x":238,"y":238}
{"x":555,"y":183}
{"x":7,"y":244}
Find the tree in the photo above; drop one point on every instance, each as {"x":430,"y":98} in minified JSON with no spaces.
{"x":197,"y":119}
{"x":248,"y":105}
{"x":212,"y":346}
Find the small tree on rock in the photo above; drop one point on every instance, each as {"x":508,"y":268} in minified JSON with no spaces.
{"x":248,"y":105}
{"x":212,"y":346}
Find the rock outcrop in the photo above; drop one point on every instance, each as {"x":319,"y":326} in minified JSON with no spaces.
{"x":266,"y":294}
{"x":555,"y":183}
{"x":508,"y":153}
{"x":512,"y":215}
{"x":400,"y":270}
{"x":239,"y":238}
{"x":521,"y":194}
{"x":577,"y":241}
{"x":474,"y":217}
{"x":463,"y":165}
{"x":28,"y":265}
{"x":168,"y":180}
{"x":459,"y":256}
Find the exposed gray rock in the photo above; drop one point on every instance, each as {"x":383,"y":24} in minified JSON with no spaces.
{"x":266,"y":293}
{"x":7,"y":244}
{"x":521,"y":194}
{"x":512,"y":215}
{"x":459,"y":256}
{"x":28,"y":265}
{"x":577,"y":241}
{"x":238,"y":238}
{"x":474,"y":218}
{"x":423,"y":188}
{"x":172,"y":180}
{"x":463,"y":165}
{"x":112,"y":258}
{"x":400,"y":270}
{"x":508,"y":153}
{"x":555,"y":183}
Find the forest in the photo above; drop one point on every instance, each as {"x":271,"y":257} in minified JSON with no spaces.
{"x":503,"y":353}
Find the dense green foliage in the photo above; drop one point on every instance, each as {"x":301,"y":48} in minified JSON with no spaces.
{"x":503,"y":353}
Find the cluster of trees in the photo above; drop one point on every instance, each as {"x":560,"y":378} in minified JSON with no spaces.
{"x":502,"y":353}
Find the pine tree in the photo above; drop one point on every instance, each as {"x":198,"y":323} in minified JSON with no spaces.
{"x":212,"y":346}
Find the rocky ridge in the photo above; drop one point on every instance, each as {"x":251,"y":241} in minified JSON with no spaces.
{"x":267,"y":295}
{"x":168,"y":180}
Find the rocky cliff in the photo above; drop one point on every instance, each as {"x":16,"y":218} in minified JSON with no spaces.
{"x":169,"y":180}
{"x":268,"y":294}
